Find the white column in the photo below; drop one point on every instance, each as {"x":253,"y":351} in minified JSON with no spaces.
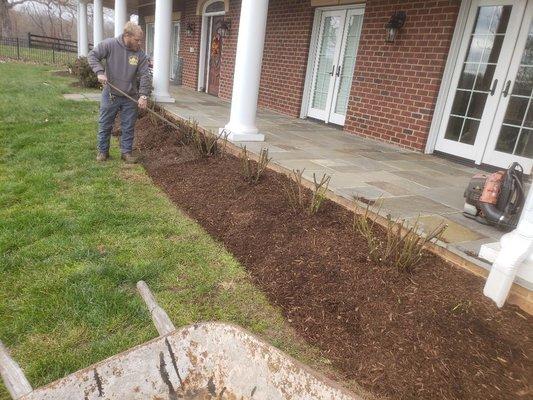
{"x":98,"y":22}
{"x":251,"y":41}
{"x":516,"y":253}
{"x":121,"y":15}
{"x":78,"y":28}
{"x":162,"y":36}
{"x":83,"y":44}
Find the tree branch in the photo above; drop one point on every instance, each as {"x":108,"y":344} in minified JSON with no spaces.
{"x":11,"y":4}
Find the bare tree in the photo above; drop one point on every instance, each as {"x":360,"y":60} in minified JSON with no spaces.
{"x":66,"y":9}
{"x":57,"y":18}
{"x":36,"y":14}
{"x":5,"y":20}
{"x":55,"y":13}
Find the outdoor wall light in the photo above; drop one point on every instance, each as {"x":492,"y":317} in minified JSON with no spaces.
{"x":189,"y":29}
{"x":395,"y":23}
{"x":224,"y":28}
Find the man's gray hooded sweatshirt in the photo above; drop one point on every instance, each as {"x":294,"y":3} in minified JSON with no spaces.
{"x":123,"y":67}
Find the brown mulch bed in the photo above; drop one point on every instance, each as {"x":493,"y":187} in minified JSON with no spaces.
{"x":428,"y":334}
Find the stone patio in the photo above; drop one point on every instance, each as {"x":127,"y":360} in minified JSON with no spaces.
{"x":410,"y":185}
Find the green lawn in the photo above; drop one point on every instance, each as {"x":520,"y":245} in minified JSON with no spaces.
{"x":76,"y":236}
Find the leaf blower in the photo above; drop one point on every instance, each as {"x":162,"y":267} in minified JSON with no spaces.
{"x":496,"y":199}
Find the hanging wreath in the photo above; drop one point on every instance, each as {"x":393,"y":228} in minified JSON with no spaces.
{"x":216,"y":45}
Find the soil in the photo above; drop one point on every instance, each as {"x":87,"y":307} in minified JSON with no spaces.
{"x":427,"y":334}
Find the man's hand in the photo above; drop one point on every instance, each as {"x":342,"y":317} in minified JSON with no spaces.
{"x":102,"y":79}
{"x":143,"y":102}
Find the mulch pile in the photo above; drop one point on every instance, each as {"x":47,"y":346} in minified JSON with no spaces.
{"x":428,"y":334}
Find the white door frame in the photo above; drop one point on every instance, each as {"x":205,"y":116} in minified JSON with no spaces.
{"x":475,"y":151}
{"x":314,"y":112}
{"x":151,"y":24}
{"x":448,"y":75}
{"x":204,"y":42}
{"x":172,"y":41}
{"x":490,"y":155}
{"x":333,"y":117}
{"x":446,"y":82}
{"x":178,"y":49}
{"x":311,"y":60}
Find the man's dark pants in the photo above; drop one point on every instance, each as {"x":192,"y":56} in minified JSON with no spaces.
{"x":109,"y":108}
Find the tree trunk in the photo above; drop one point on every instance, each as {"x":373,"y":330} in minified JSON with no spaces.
{"x":5,"y":20}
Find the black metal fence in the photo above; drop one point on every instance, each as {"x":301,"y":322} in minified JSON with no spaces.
{"x":41,"y":49}
{"x":49,"y":43}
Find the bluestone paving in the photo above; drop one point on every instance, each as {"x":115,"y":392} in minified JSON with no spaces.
{"x":442,"y":195}
{"x":392,"y":188}
{"x":413,"y":206}
{"x":425,"y":178}
{"x":362,"y":192}
{"x":454,"y":232}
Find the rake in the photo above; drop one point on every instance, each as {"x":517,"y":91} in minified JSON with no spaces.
{"x":160,"y":117}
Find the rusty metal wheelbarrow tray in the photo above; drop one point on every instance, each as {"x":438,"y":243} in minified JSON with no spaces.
{"x":202,"y":361}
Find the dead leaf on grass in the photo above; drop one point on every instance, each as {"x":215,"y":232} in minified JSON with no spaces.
{"x":129,"y":173}
{"x":227,"y":285}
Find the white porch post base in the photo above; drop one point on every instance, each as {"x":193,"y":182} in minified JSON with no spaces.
{"x":513,"y":258}
{"x":164,"y":99}
{"x":248,"y":62}
{"x":236,"y":136}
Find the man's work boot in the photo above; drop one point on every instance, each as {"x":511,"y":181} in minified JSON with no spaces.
{"x":129,"y":158}
{"x":102,"y":156}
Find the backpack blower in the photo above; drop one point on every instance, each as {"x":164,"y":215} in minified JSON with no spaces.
{"x":496,"y":199}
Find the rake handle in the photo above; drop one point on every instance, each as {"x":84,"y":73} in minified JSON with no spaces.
{"x":147,"y":109}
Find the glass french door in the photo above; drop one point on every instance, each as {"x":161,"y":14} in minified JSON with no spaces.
{"x":175,"y":45}
{"x":475,"y":125}
{"x":150,"y":40}
{"x":511,"y":138}
{"x":175,"y":51}
{"x":336,"y":55}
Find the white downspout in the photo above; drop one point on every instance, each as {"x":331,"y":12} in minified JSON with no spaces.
{"x":516,"y":248}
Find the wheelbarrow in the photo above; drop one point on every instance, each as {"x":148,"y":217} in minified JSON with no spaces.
{"x":201,"y":361}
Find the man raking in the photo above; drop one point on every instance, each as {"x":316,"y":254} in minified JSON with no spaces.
{"x":126,"y":69}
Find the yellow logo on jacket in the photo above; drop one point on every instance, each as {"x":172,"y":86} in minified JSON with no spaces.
{"x":134,"y":60}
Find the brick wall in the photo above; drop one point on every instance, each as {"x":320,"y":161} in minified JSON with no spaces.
{"x":289,"y":26}
{"x":190,"y":60}
{"x":395,"y":85}
{"x":229,"y":49}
